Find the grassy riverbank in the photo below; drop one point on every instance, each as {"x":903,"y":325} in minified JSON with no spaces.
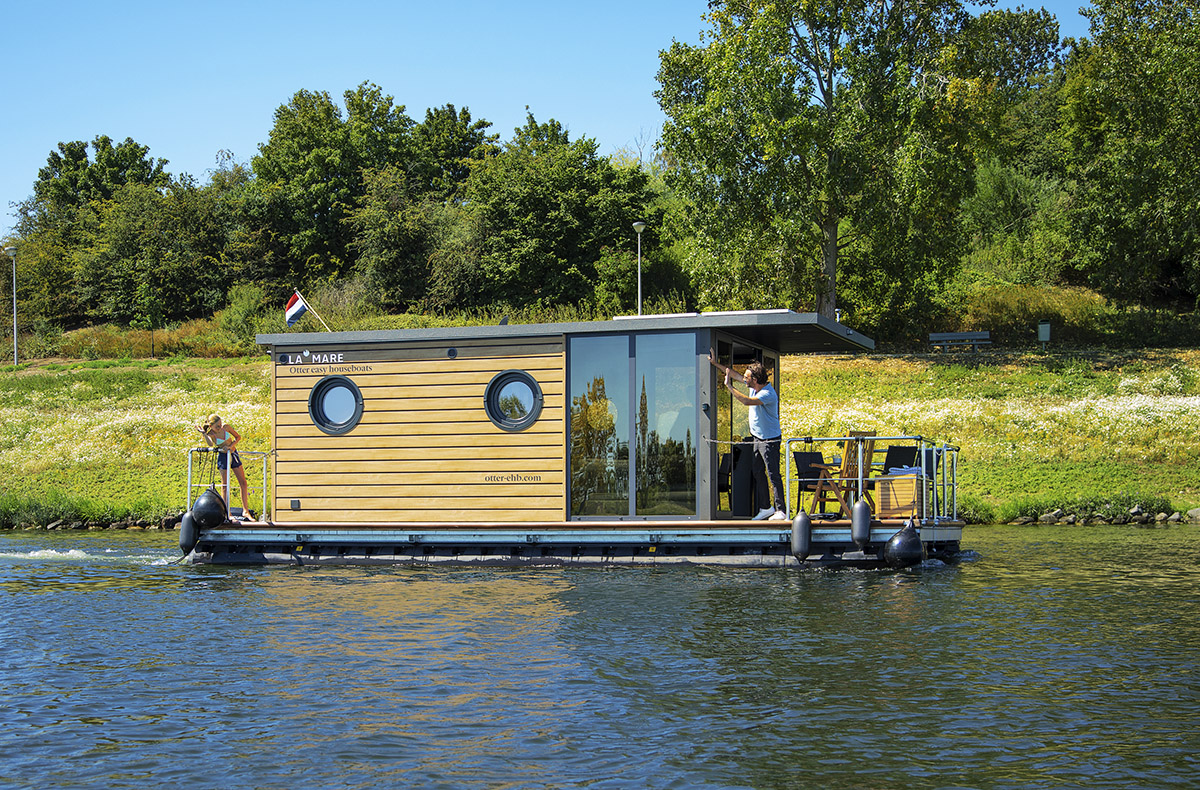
{"x":1087,"y":431}
{"x":1081,"y":430}
{"x":102,"y":440}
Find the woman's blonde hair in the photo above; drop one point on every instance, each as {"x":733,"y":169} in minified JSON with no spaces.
{"x":212,"y":420}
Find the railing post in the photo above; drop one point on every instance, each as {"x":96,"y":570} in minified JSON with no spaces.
{"x":262,"y":513}
{"x":787,"y":477}
{"x":954,"y":484}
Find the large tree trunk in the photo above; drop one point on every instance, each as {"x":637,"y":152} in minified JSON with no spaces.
{"x":827,"y":281}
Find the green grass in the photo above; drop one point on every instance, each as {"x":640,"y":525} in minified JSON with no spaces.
{"x":51,"y":504}
{"x":1037,"y":431}
{"x":1075,"y":429}
{"x":1006,"y":491}
{"x":85,"y":439}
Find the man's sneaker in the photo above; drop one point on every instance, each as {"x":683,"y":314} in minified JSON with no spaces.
{"x":764,"y":513}
{"x":778,"y":515}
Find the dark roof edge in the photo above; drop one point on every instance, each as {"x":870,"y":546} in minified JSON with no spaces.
{"x":783,"y":324}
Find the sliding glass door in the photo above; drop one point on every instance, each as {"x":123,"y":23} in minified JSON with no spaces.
{"x":633,"y":425}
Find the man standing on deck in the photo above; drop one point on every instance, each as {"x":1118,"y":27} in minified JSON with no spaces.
{"x":763,"y":401}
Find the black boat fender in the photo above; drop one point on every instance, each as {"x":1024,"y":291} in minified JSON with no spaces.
{"x":904,"y":548}
{"x":189,"y":536}
{"x":801,"y":535}
{"x":207,"y":511}
{"x":860,"y":523}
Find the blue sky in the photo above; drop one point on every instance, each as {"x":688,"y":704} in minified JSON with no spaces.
{"x":191,"y":79}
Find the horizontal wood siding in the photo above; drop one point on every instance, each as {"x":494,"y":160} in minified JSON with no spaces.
{"x":425,"y":450}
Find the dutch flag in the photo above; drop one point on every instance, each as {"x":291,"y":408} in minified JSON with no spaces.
{"x":296,"y":307}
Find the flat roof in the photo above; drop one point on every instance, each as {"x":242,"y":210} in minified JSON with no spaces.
{"x":784,"y":331}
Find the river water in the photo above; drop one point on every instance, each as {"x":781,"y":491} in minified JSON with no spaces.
{"x":1047,"y":657}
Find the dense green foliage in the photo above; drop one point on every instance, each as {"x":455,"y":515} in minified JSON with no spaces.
{"x":824,"y":150}
{"x":432,"y":215}
{"x":919,"y":167}
{"x":1096,"y":180}
{"x":1130,"y":125}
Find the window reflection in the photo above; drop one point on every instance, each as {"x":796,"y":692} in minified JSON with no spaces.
{"x":666,"y":425}
{"x":599,"y":426}
{"x":338,"y":405}
{"x":658,"y":421}
{"x":515,"y":400}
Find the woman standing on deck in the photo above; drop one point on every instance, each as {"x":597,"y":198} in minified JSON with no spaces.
{"x":224,"y":438}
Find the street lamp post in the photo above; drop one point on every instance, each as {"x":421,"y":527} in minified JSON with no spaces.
{"x":637,"y":226}
{"x":12,"y":253}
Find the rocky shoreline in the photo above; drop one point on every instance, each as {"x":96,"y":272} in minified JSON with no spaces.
{"x":1135,"y":517}
{"x":168,"y":522}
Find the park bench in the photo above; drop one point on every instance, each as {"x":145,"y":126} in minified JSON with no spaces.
{"x":949,"y":340}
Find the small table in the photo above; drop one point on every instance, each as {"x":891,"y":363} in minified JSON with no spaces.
{"x":897,"y":496}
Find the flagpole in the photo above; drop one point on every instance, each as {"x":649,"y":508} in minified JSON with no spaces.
{"x":318,"y":315}
{"x":304,"y":303}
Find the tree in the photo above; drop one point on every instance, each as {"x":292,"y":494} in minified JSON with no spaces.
{"x":1018,"y":223}
{"x":409,"y":221}
{"x":394,"y":237}
{"x":151,"y":256}
{"x":56,"y":221}
{"x":310,"y":173}
{"x":544,"y":209}
{"x":71,"y":180}
{"x":802,"y":132}
{"x":445,"y":145}
{"x":1017,"y":217}
{"x":1131,"y":123}
{"x":596,"y":450}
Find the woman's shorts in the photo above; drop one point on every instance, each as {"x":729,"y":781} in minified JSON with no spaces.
{"x":223,"y":459}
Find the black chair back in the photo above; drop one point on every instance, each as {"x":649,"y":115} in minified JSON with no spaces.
{"x":804,"y":464}
{"x":899,"y":455}
{"x":932,"y":456}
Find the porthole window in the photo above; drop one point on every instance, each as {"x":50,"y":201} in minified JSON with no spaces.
{"x":335,"y":405}
{"x":513,"y":400}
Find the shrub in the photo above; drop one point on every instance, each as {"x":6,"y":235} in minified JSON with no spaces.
{"x":1107,"y":507}
{"x":239,"y":318}
{"x":54,"y":505}
{"x":197,"y":338}
{"x":1012,"y":312}
{"x":45,"y":340}
{"x":975,"y":511}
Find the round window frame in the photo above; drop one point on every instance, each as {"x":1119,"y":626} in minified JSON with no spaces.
{"x":316,"y":411}
{"x":491,"y":400}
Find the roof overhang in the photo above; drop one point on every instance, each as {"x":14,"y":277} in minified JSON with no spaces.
{"x":784,"y":331}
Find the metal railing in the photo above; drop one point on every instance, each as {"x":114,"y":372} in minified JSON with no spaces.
{"x":246,"y":456}
{"x":935,"y":471}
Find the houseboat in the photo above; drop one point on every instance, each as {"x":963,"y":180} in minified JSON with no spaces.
{"x":601,"y":442}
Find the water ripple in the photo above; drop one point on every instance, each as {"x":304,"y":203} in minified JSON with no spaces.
{"x":1045,"y":659}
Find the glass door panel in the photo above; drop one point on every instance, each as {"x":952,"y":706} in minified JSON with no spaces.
{"x":665,"y":449}
{"x":600,"y":426}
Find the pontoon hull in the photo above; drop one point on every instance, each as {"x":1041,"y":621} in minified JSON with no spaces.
{"x":724,"y":543}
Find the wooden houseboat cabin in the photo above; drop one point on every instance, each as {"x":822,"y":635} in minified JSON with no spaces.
{"x":572,"y":443}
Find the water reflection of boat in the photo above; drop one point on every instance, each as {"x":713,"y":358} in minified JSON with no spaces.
{"x":572,"y":443}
